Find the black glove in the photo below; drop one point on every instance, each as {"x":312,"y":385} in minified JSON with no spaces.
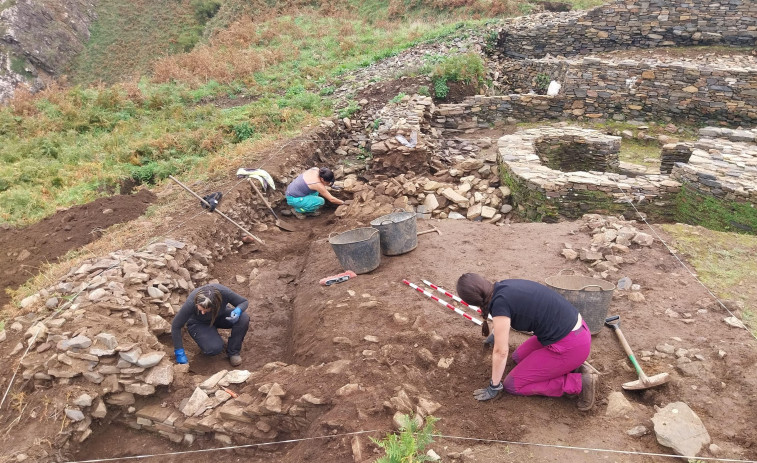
{"x":489,"y":392}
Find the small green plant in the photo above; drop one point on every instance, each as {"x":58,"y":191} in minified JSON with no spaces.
{"x":542,"y":82}
{"x":424,"y":91}
{"x":326,"y":91}
{"x":376,"y":124}
{"x":409,"y":444}
{"x":242,"y":131}
{"x":364,"y":155}
{"x":491,"y":41}
{"x":351,"y":109}
{"x":398,"y":98}
{"x":441,"y":89}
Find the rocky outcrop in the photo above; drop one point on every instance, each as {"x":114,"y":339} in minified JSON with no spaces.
{"x":39,"y":38}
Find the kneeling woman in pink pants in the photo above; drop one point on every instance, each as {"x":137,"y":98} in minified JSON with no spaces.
{"x":546,"y":362}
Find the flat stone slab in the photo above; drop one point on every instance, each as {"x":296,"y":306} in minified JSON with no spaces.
{"x":678,"y":427}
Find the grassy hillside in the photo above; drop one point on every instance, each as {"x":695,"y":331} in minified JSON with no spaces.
{"x":128,"y":36}
{"x":67,"y":146}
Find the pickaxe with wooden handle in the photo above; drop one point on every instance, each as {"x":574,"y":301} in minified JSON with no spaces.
{"x":433,"y":229}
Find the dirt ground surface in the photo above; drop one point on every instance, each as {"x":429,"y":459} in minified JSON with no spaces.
{"x":297,"y":321}
{"x":380,"y":335}
{"x":25,"y":250}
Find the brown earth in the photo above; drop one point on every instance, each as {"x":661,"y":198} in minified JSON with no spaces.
{"x":295,"y":320}
{"x":299,"y":322}
{"x":26,"y":250}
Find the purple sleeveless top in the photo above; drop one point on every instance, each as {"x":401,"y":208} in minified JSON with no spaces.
{"x":298,"y":188}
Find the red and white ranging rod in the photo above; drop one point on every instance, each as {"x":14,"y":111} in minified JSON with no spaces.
{"x":449,"y":294}
{"x":449,"y":306}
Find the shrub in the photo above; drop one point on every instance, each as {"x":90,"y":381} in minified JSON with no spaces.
{"x":468,"y":68}
{"x":242,"y":131}
{"x":542,"y":82}
{"x":423,"y":90}
{"x":409,"y":445}
{"x":441,"y":90}
{"x":204,"y":10}
{"x":491,"y":41}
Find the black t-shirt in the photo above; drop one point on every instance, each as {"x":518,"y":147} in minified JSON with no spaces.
{"x":534,"y":307}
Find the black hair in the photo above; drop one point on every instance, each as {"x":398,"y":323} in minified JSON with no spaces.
{"x":208,"y":297}
{"x":477,"y":290}
{"x":326,"y":174}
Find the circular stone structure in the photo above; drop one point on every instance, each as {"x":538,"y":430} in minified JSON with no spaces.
{"x":571,"y":171}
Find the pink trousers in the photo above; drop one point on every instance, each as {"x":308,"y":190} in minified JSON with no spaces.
{"x":546,"y":370}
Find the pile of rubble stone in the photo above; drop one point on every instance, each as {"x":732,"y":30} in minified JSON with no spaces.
{"x":95,"y":331}
{"x":410,"y":166}
{"x":469,"y":190}
{"x":612,"y":240}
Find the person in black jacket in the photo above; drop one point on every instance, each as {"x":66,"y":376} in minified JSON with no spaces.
{"x":203,"y":313}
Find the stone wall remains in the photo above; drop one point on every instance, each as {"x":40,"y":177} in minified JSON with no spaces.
{"x":543,"y":193}
{"x":627,"y":24}
{"x":593,"y":88}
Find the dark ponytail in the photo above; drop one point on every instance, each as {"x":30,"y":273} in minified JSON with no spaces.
{"x":208,"y":297}
{"x":326,"y":174}
{"x":477,"y":290}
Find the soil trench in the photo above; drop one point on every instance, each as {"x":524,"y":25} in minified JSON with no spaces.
{"x":377,"y":333}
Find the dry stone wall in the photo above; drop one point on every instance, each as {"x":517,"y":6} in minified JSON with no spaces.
{"x":724,"y":91}
{"x":543,"y":193}
{"x":593,"y":88}
{"x":632,"y":24}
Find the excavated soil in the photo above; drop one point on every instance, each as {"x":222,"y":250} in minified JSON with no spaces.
{"x":25,"y":250}
{"x":296,"y":320}
{"x":379,"y":330}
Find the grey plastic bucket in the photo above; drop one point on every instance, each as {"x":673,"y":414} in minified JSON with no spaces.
{"x":397,"y":231}
{"x":590,"y":296}
{"x":358,"y":250}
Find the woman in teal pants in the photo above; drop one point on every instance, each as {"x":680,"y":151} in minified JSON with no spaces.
{"x":305,"y":191}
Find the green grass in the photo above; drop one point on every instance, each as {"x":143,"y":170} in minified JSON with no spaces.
{"x":128,"y":36}
{"x":641,"y":153}
{"x":715,"y":214}
{"x":723,"y":261}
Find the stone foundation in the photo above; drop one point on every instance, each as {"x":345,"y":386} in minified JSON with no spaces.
{"x":632,"y":24}
{"x":543,"y":193}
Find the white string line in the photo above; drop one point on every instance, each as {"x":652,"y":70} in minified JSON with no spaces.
{"x":591,"y":449}
{"x":670,"y":250}
{"x":231,"y":447}
{"x":442,"y":436}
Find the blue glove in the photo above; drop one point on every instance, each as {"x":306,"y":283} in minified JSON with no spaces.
{"x":181,"y":357}
{"x":234,"y":315}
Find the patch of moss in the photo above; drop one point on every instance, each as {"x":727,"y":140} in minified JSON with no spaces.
{"x":18,"y":65}
{"x":695,"y":208}
{"x":532,"y":205}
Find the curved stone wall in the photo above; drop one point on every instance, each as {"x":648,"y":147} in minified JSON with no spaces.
{"x":543,"y":193}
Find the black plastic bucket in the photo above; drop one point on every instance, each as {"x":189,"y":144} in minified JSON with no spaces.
{"x":358,"y":250}
{"x":397,"y":231}
{"x":590,"y":296}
